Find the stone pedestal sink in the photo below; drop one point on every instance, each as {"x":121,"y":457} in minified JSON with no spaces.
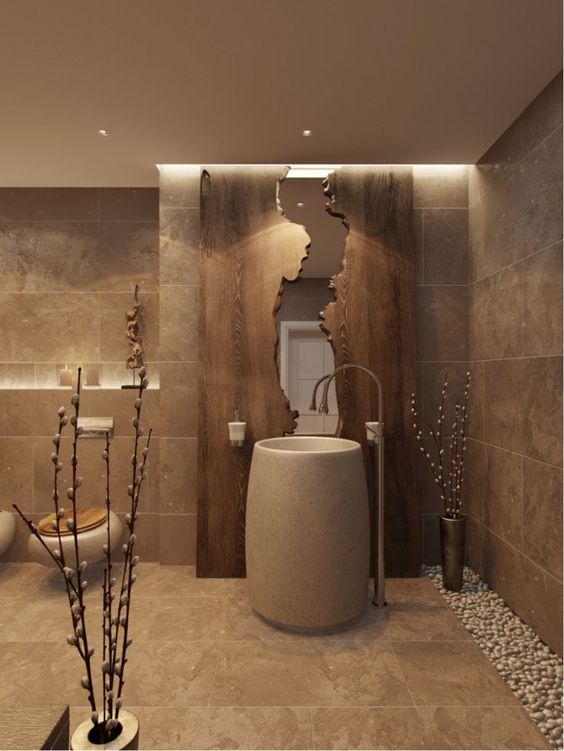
{"x":307,"y":532}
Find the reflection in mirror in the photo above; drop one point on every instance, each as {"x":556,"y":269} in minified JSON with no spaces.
{"x":304,"y":352}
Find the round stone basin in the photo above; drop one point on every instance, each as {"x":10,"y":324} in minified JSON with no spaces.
{"x":307,"y":532}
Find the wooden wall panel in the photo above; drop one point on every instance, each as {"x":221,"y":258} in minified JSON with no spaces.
{"x":247,"y":248}
{"x":372,"y":322}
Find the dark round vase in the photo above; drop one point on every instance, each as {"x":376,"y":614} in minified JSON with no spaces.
{"x":453,"y":534}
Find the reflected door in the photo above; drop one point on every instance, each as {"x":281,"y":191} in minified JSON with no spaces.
{"x":308,"y":356}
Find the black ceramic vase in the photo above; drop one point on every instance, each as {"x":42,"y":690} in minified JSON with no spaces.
{"x":453,"y":534}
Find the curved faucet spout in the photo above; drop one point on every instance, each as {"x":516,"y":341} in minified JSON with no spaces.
{"x":324,"y":406}
{"x":313,"y":405}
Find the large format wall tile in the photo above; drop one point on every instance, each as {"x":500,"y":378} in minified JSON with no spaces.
{"x":179,"y":185}
{"x":129,"y":204}
{"x":542,"y":515}
{"x":16,"y":472}
{"x":96,"y":256}
{"x":542,"y":302}
{"x":49,"y":203}
{"x":440,"y":186}
{"x":179,"y":323}
{"x":441,"y":320}
{"x":524,"y":406}
{"x":534,"y":595}
{"x":49,"y":327}
{"x":445,"y":256}
{"x":495,"y":312}
{"x":177,"y":539}
{"x":179,"y":399}
{"x":177,"y":467}
{"x":17,"y":256}
{"x":503,"y":503}
{"x":523,"y":214}
{"x":179,"y":246}
{"x":543,"y":115}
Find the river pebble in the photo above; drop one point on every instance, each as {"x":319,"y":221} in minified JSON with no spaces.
{"x":531,"y":669}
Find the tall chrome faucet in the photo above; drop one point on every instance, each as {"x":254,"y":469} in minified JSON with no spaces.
{"x":375,"y":437}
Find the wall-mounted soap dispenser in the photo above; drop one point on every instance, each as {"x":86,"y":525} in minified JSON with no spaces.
{"x":237,"y":430}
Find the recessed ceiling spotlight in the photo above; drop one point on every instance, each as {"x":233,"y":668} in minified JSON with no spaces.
{"x":300,"y":204}
{"x":306,"y":133}
{"x":103,"y":132}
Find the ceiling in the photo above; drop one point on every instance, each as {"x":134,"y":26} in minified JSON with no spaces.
{"x":229,"y":81}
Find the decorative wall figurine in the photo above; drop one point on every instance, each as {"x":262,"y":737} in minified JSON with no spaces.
{"x":133,"y":335}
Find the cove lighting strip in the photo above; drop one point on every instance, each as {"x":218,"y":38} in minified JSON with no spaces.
{"x":319,"y":171}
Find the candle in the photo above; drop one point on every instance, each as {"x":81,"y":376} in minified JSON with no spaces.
{"x":65,"y":377}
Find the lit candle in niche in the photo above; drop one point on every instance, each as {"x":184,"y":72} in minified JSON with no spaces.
{"x":65,"y":377}
{"x":92,"y":378}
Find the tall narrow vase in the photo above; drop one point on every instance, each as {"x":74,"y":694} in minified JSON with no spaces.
{"x":453,"y":534}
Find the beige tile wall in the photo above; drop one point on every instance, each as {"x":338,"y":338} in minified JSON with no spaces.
{"x":179,"y":311}
{"x":69,"y":259}
{"x":515,"y":343}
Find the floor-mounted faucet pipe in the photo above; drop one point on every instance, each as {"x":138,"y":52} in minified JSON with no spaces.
{"x":375,"y":436}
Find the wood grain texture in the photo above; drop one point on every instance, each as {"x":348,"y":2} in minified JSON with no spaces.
{"x":34,"y":727}
{"x":247,"y":250}
{"x":372,"y":323}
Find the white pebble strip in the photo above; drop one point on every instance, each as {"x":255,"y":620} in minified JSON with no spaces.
{"x":530,"y":668}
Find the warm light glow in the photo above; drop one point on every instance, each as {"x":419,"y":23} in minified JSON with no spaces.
{"x":306,"y":133}
{"x":299,"y":204}
{"x":320,"y":171}
{"x":103,"y":132}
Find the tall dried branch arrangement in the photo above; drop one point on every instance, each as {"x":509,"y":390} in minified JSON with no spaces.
{"x":446,"y":464}
{"x":115,"y":619}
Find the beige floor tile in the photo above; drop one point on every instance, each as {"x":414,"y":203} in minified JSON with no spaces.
{"x":300,"y":674}
{"x":450,"y":674}
{"x":202,"y":618}
{"x":29,"y":579}
{"x":404,"y":619}
{"x":38,"y":619}
{"x":424,"y":728}
{"x":40,"y":673}
{"x":174,"y":674}
{"x":155,"y":580}
{"x":415,"y":591}
{"x":224,"y":727}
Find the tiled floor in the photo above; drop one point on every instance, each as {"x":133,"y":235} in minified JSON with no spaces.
{"x":206,"y":672}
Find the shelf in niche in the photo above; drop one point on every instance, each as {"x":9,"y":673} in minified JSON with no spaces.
{"x":43,"y":376}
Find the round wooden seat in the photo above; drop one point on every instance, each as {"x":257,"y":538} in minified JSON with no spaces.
{"x":86,"y":518}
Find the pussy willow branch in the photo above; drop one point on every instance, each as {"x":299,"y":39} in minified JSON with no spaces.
{"x":117,"y":665}
{"x":72,"y":492}
{"x":107,"y":589}
{"x":450,"y":485}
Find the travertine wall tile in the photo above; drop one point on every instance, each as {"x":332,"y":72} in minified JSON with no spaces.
{"x":542,"y":301}
{"x":179,"y":246}
{"x":49,"y":203}
{"x":177,"y":534}
{"x":16,"y":472}
{"x":17,"y":254}
{"x":496,"y":315}
{"x":179,"y":323}
{"x":129,"y":204}
{"x":179,"y":399}
{"x":440,"y":186}
{"x":179,"y":185}
{"x":515,"y":229}
{"x":178,"y":475}
{"x":51,"y":327}
{"x":542,"y":515}
{"x":445,"y":255}
{"x":524,"y":406}
{"x":441,"y":321}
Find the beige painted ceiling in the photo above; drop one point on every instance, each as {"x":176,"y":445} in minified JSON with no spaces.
{"x":211,"y":81}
